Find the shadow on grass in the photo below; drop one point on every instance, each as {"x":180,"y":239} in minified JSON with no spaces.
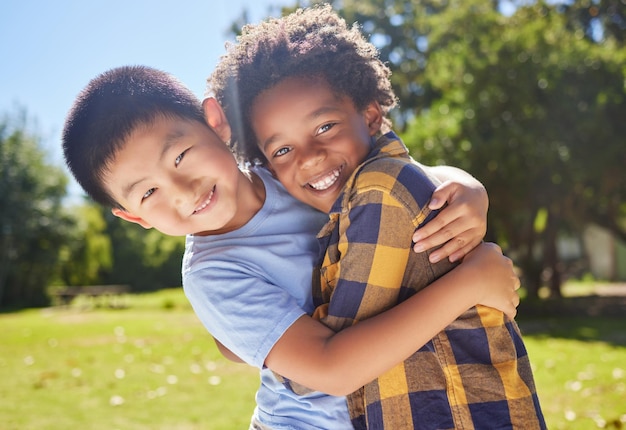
{"x":585,"y":318}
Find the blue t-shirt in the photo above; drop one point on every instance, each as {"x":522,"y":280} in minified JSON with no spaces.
{"x":248,"y":286}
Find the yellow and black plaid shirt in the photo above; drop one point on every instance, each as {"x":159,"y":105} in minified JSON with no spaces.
{"x":473,"y":375}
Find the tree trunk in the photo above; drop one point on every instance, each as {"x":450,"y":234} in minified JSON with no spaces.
{"x":551,"y":256}
{"x":531,"y":271}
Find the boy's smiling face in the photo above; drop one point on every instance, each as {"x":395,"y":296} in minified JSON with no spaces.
{"x":178,"y":177}
{"x":312,"y":137}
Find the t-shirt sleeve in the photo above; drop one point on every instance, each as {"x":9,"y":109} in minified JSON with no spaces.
{"x":246,"y":314}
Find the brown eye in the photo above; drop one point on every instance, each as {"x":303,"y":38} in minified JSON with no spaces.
{"x":281,"y":152}
{"x":325,"y":127}
{"x":180,"y":157}
{"x":148,"y":193}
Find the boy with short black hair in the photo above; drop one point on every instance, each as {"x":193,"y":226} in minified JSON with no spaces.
{"x":310,"y":98}
{"x":136,"y":140}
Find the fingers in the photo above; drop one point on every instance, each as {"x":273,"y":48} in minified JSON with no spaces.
{"x":454,"y":249}
{"x":433,"y":234}
{"x":460,"y":226}
{"x":515,"y":300}
{"x":515,"y":296}
{"x":511,"y":308}
{"x":440,"y":230}
{"x":495,"y":247}
{"x":458,"y":254}
{"x":443,"y":193}
{"x":511,"y":313}
{"x":497,"y":274}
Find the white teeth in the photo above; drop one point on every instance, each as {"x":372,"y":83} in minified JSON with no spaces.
{"x":325,"y":182}
{"x":206,"y":202}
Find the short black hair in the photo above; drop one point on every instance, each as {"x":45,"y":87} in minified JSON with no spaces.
{"x":313,"y":42}
{"x":111,"y":107}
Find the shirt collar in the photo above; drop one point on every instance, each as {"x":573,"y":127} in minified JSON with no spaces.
{"x":386,"y":145}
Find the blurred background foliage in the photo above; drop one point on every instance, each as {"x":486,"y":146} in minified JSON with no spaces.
{"x":528,"y":96}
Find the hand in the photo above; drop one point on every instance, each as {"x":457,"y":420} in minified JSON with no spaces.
{"x":461,"y":225}
{"x":494,"y":274}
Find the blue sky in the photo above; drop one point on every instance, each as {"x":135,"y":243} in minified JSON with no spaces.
{"x":51,"y":49}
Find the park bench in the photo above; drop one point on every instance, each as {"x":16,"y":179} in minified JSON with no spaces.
{"x":99,"y":295}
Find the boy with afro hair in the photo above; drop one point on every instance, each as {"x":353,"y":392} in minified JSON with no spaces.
{"x":309,"y":97}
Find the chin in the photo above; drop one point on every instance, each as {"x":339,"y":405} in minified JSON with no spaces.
{"x":322,"y":207}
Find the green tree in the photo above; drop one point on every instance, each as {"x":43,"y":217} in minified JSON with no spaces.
{"x":32,"y":224}
{"x":147,"y":260}
{"x":598,"y":19}
{"x":88,"y":255}
{"x":106,"y":250}
{"x":535,"y":110}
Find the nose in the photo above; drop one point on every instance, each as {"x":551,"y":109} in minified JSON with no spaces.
{"x":311,"y":154}
{"x":184,"y":191}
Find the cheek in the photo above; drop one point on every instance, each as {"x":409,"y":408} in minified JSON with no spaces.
{"x":360,"y":149}
{"x":287,"y":179}
{"x":278,"y":170}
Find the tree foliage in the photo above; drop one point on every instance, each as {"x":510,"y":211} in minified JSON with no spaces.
{"x":597,"y":18}
{"x":535,"y":110}
{"x":532,"y":103}
{"x":146,"y":260}
{"x":88,"y":255}
{"x":107,"y":250}
{"x":45,"y":242}
{"x":32,"y":224}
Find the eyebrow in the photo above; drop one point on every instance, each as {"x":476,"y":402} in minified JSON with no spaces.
{"x":315,"y":114}
{"x":170,"y":140}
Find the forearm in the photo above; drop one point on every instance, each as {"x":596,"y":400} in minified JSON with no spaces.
{"x":451,"y":173}
{"x":339,"y":363}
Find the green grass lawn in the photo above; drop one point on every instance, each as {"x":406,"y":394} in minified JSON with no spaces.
{"x":580,"y":370}
{"x":150,"y":366}
{"x":153,"y":366}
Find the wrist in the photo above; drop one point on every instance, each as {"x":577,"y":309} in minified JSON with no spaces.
{"x":473,"y":282}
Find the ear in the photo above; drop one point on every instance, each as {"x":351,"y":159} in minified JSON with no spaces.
{"x":373,"y":117}
{"x":127,"y":216}
{"x":216,"y":118}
